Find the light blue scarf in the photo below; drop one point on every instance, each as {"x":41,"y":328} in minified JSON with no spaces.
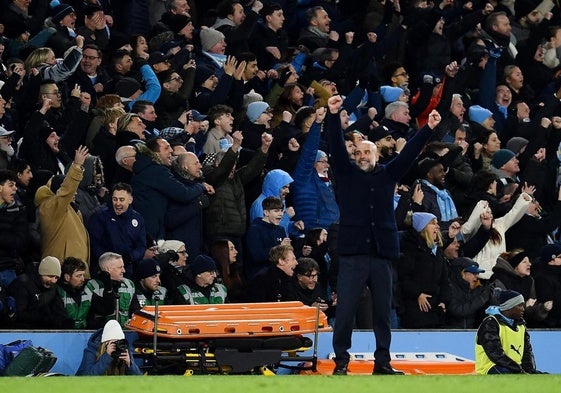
{"x":445,"y":203}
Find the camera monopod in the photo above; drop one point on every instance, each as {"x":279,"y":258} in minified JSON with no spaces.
{"x":156,"y":317}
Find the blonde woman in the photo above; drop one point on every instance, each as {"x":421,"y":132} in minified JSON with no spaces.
{"x":423,"y":275}
{"x":108,"y":353}
{"x":43,"y":63}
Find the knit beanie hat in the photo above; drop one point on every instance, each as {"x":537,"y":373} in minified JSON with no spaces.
{"x":523,"y":8}
{"x":515,"y":260}
{"x":126,"y":87}
{"x":320,"y":155}
{"x":147,"y":268}
{"x":256,"y":109}
{"x":517,"y":143}
{"x":501,"y":157}
{"x":202,"y":74}
{"x":112,"y":331}
{"x":550,"y":251}
{"x":425,"y":165}
{"x":166,"y":245}
{"x":390,"y":93}
{"x":378,"y":133}
{"x":176,"y":22}
{"x":509,"y":299}
{"x":209,"y":38}
{"x":478,"y":114}
{"x":59,"y":11}
{"x":421,"y":220}
{"x":50,"y":266}
{"x":201,"y":264}
{"x":45,"y":131}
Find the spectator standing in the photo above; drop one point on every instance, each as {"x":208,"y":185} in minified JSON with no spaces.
{"x":118,"y":228}
{"x":62,"y":228}
{"x":367,"y":239}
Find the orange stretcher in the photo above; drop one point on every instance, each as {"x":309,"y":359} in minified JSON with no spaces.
{"x":226,"y":338}
{"x":229,"y":320}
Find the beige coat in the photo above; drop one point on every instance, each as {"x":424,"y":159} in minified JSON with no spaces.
{"x":63,"y":233}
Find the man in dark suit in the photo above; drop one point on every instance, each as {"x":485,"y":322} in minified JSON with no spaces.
{"x":368,"y":239}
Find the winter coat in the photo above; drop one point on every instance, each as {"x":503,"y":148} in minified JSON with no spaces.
{"x":465,"y":307}
{"x":490,"y":345}
{"x":62,"y":229}
{"x":226,"y":214}
{"x":93,"y":365}
{"x":274,"y":181}
{"x":124,"y":234}
{"x":13,"y":234}
{"x":505,"y":277}
{"x":37,"y":307}
{"x":548,"y":287}
{"x":269,"y":286}
{"x":531,"y":233}
{"x":314,"y":199}
{"x":367,"y":221}
{"x":184,"y":222}
{"x":261,"y":237}
{"x":421,"y":271}
{"x":154,"y":186}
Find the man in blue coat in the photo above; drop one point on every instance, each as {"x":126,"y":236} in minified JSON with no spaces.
{"x":368,"y":238}
{"x":118,"y":228}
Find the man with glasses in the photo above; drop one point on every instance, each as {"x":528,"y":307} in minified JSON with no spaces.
{"x":305,"y":286}
{"x":173,"y":101}
{"x":90,"y":76}
{"x":118,"y":228}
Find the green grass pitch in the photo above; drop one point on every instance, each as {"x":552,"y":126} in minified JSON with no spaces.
{"x":286,"y":384}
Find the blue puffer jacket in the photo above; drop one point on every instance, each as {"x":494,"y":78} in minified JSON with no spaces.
{"x":92,"y":365}
{"x":314,"y":200}
{"x":272,"y":186}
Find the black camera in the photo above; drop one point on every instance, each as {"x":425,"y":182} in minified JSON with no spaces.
{"x":120,"y":347}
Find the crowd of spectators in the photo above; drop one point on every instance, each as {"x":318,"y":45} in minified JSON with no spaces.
{"x":176,"y":152}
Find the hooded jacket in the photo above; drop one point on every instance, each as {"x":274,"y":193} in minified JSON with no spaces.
{"x":274,"y":181}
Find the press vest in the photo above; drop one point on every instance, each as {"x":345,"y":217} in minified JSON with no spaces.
{"x":513,"y":346}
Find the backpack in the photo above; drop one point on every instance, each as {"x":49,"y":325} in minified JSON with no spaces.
{"x":31,"y":361}
{"x":9,"y":351}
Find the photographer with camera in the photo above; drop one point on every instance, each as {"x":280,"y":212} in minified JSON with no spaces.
{"x":108,"y":353}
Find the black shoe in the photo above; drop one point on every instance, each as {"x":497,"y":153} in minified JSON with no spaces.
{"x":340,"y":369}
{"x":386,"y":370}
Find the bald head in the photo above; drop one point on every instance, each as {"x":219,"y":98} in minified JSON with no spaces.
{"x":366,"y":155}
{"x":190,"y":165}
{"x":126,"y":156}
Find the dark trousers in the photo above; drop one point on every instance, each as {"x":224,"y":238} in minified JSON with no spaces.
{"x":355,"y":272}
